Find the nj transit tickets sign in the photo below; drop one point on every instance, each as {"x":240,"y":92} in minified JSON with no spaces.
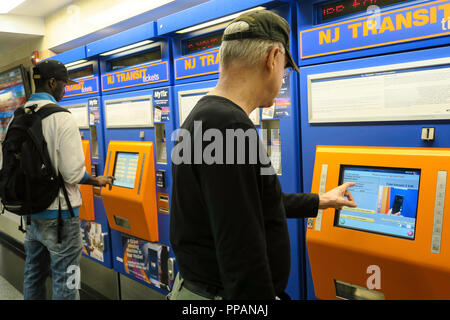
{"x":140,"y":76}
{"x":84,"y":87}
{"x":197,"y":65}
{"x":418,"y":22}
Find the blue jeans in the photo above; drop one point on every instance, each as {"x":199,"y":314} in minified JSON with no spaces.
{"x":45,"y":255}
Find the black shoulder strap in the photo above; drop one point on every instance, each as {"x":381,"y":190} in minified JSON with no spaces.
{"x":19,"y":111}
{"x":49,"y":109}
{"x":69,"y":205}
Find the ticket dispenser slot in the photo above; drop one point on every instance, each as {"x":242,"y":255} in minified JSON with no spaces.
{"x":94,"y":140}
{"x":272,"y":141}
{"x":131,"y":204}
{"x":161,"y":150}
{"x":87,"y":193}
{"x":390,"y":246}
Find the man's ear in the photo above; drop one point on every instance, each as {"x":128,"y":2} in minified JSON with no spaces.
{"x":51,"y":83}
{"x":272,"y":54}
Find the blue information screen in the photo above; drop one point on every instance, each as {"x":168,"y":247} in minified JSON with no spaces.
{"x":125,"y":169}
{"x":387,"y":200}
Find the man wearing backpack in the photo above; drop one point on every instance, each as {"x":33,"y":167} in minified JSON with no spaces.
{"x":48,"y":163}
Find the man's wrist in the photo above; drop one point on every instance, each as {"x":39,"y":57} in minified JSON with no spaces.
{"x":93,"y":181}
{"x":324,"y":201}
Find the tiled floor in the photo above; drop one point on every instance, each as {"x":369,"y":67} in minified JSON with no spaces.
{"x":8,"y":292}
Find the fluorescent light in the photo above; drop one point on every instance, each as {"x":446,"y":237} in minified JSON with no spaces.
{"x":131,"y":46}
{"x":7,"y":5}
{"x":75,"y":63}
{"x":217,"y":21}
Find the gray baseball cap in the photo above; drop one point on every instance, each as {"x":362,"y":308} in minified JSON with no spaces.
{"x":264,"y":24}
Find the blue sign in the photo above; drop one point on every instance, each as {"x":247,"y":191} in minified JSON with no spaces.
{"x":418,"y":22}
{"x":197,"y":65}
{"x":144,"y":75}
{"x":84,"y":86}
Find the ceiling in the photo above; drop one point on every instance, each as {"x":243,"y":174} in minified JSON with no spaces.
{"x":39,"y":8}
{"x":26,"y":23}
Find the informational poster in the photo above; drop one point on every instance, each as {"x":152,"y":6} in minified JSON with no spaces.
{"x":80,"y":114}
{"x":129,"y":113}
{"x":12,"y":96}
{"x":146,"y":261}
{"x":414,"y":91}
{"x":283,"y":100}
{"x":161,"y":105}
{"x":93,"y":242}
{"x":268,"y":113}
{"x":282,"y":104}
{"x":94,"y":111}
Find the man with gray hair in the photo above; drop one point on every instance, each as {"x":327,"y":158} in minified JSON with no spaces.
{"x":228,"y":223}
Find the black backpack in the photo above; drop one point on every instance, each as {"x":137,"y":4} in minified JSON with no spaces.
{"x":28,"y":182}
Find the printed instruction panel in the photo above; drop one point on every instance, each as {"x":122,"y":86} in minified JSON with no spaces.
{"x":402,"y":94}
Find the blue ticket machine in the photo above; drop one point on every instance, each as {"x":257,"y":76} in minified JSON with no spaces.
{"x":196,"y":43}
{"x":138,"y":107}
{"x":83,"y":100}
{"x":372,"y":76}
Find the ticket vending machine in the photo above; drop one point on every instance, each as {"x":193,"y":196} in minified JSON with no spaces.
{"x":131,"y":205}
{"x":137,"y":104}
{"x":376,"y":80}
{"x":393,"y":244}
{"x":196,"y":43}
{"x":83,"y":101}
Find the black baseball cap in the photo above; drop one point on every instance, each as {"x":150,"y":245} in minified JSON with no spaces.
{"x":264,"y":24}
{"x":52,"y":69}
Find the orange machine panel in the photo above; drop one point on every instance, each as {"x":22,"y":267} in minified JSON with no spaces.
{"x":353,"y":263}
{"x":87,"y":193}
{"x":131,"y":203}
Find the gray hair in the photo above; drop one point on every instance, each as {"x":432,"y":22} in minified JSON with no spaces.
{"x":248,"y":51}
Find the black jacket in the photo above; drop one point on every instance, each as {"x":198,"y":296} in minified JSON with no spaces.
{"x":228,"y":225}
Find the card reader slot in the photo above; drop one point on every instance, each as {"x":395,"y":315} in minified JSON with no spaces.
{"x":164,"y":198}
{"x":164,"y":210}
{"x":163,"y":202}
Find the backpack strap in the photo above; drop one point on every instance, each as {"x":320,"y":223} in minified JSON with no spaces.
{"x":49,"y":109}
{"x":69,"y":205}
{"x":21,"y":110}
{"x":66,"y":196}
{"x":42,"y":113}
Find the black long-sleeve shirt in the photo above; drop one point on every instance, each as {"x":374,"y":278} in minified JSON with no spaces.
{"x":228,"y":225}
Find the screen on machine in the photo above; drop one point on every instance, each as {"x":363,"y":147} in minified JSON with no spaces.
{"x":387,"y":200}
{"x":125,"y":169}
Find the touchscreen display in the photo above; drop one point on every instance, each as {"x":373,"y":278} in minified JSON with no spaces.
{"x":125,"y":169}
{"x":386,"y":197}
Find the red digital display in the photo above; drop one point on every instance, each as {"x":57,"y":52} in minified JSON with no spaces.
{"x":213,"y":40}
{"x":342,"y":8}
